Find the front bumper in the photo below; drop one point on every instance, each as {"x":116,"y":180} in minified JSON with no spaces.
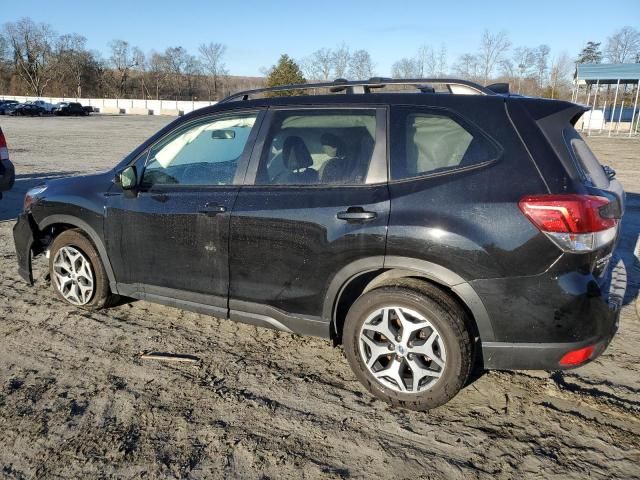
{"x":596,"y":314}
{"x":23,"y":237}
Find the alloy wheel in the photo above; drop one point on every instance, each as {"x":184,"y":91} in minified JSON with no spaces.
{"x":402,"y":349}
{"x":73,"y":276}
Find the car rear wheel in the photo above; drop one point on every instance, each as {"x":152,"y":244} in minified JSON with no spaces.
{"x":77,"y":274}
{"x":409,"y":345}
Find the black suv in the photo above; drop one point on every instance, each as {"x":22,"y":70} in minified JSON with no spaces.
{"x":425,"y":230}
{"x":72,"y":108}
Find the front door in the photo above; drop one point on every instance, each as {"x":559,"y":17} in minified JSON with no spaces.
{"x":169,"y":238}
{"x":319,"y":201}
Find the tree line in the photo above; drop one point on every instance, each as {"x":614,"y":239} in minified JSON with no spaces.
{"x":36,"y":60}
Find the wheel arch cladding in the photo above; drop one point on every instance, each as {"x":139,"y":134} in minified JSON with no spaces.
{"x":364,"y":275}
{"x":91,"y":233}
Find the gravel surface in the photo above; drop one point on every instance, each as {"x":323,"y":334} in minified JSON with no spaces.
{"x":78,"y":401}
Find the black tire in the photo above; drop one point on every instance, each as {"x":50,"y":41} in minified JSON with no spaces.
{"x":445,"y":314}
{"x":102,"y":296}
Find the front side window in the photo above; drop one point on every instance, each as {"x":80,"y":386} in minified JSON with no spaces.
{"x":205,"y":152}
{"x":322,"y":147}
{"x":433,"y":142}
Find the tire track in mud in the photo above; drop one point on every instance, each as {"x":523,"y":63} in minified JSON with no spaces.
{"x":391,"y":441}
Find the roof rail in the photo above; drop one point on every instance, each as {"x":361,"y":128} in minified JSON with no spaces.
{"x":365,"y":86}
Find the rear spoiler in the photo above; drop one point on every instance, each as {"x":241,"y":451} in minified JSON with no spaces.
{"x":547,"y":110}
{"x":499,"y":88}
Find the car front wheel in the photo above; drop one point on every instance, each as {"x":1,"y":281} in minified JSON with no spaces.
{"x":77,"y":274}
{"x":409,"y":344}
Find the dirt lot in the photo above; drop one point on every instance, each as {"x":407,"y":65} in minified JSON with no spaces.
{"x":77,"y":401}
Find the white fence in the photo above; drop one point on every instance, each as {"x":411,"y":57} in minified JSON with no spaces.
{"x":124,"y":105}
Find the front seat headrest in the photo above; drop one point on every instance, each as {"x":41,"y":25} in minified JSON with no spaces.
{"x":295,"y":154}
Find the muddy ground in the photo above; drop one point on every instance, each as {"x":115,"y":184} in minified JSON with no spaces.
{"x":77,"y":401}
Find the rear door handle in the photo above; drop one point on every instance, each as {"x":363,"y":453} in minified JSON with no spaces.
{"x":213,"y":210}
{"x":356,"y":214}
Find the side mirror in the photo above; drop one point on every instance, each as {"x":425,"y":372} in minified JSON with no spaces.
{"x":223,"y":134}
{"x":128,"y":178}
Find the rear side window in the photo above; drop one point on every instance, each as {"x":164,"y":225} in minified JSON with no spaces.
{"x":586,"y":160}
{"x":318,"y":147}
{"x":430,"y":142}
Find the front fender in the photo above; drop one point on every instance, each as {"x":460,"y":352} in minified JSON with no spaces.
{"x":91,"y":233}
{"x":24,"y":232}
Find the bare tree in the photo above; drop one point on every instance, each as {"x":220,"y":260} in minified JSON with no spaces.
{"x":122,"y":60}
{"x":176,"y":60}
{"x":340,"y":58}
{"x":211,"y":57}
{"x":319,"y":66}
{"x":140,"y":67}
{"x":32,"y":45}
{"x":191,"y":73}
{"x":426,"y":61}
{"x":441,"y":62}
{"x":493,"y":48}
{"x":542,"y":63}
{"x":468,"y":66}
{"x":157,"y":68}
{"x":406,"y":68}
{"x":559,"y":73}
{"x":520,"y":65}
{"x":4,"y":48}
{"x":623,"y":46}
{"x":361,"y":65}
{"x":73,"y":60}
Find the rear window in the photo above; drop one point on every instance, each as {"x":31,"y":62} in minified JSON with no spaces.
{"x":430,"y":142}
{"x":587,"y":162}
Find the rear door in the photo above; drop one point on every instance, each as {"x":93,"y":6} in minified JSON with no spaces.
{"x":315,"y":200}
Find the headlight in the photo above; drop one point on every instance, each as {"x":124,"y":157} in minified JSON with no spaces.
{"x":31,"y":196}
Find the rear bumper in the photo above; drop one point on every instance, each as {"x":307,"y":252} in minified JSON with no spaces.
{"x":23,"y":239}
{"x":595,"y":312}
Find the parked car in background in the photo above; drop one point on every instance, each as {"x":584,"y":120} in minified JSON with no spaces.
{"x":425,"y":231}
{"x":72,"y":108}
{"x":28,"y":110}
{"x":7,"y":170}
{"x":6,"y":105}
{"x":48,"y":107}
{"x":58,"y":106}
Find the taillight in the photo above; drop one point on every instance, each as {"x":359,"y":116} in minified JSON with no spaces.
{"x":577,"y":357}
{"x":4,"y":151}
{"x":576,"y":223}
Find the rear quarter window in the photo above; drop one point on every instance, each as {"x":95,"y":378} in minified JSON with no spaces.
{"x":588,"y":165}
{"x":429,"y":142}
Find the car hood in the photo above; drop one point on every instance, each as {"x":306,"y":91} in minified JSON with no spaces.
{"x":59,"y":182}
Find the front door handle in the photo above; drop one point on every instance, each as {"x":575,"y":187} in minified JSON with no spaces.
{"x":356,"y":214}
{"x":212,"y":210}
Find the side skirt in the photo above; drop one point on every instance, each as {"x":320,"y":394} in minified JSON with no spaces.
{"x":244,"y":312}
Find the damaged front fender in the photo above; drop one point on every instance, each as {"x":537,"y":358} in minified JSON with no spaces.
{"x":23,"y":236}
